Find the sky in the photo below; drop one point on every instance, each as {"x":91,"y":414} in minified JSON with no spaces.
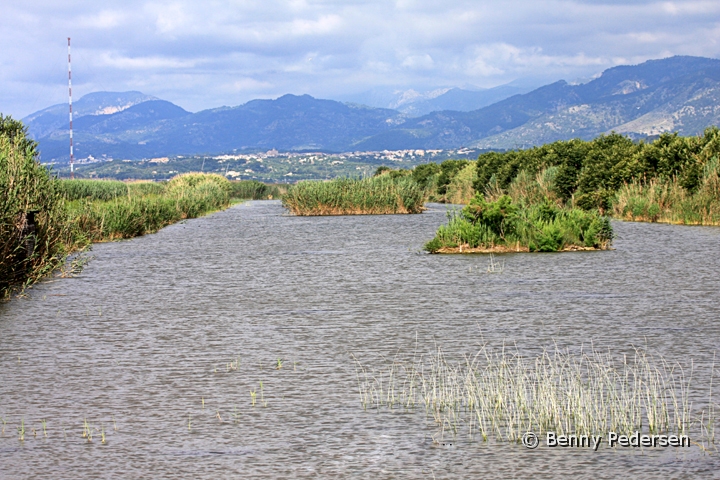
{"x":207,"y":54}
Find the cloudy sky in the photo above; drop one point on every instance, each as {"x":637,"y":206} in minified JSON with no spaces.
{"x":205,"y":54}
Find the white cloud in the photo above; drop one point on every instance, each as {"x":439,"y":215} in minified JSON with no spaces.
{"x":418,"y":62}
{"x":215,"y":52}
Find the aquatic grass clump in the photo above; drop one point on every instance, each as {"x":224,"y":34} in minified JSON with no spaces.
{"x":345,"y":196}
{"x":503,"y":394}
{"x":504,"y":226}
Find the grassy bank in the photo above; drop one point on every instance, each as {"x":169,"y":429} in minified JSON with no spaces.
{"x":377,"y":195}
{"x":42,"y":219}
{"x":145,"y":207}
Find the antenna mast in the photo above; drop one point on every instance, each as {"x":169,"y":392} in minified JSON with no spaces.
{"x":72,"y":165}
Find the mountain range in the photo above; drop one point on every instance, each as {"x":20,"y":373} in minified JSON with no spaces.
{"x":674,"y":94}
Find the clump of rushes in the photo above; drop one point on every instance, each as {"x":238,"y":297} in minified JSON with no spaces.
{"x":344,"y":196}
{"x":506,"y":226}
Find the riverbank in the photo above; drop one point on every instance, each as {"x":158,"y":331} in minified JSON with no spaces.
{"x":43,"y":219}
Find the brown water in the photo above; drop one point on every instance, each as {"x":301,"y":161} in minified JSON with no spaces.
{"x":145,"y":334}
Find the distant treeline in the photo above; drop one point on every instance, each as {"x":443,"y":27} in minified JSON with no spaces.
{"x":671,"y":179}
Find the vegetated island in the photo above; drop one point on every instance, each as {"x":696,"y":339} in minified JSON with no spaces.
{"x":44,"y":219}
{"x":377,"y":195}
{"x":505,"y":225}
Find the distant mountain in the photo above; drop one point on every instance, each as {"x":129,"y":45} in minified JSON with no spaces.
{"x":414,"y":104}
{"x":158,"y":128}
{"x":49,"y":120}
{"x":674,"y":94}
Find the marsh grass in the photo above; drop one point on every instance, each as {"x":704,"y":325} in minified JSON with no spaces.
{"x":500,"y":395}
{"x":185,"y":196}
{"x":344,"y":196}
{"x":669,"y":202}
{"x":91,"y":189}
{"x":460,"y":189}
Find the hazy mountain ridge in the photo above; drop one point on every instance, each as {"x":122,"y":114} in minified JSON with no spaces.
{"x":48,"y":120}
{"x":678,"y":93}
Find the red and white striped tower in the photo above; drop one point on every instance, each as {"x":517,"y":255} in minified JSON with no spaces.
{"x":72,"y":165}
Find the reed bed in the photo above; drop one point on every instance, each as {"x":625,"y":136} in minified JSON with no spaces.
{"x":344,"y":196}
{"x":185,"y":196}
{"x":501,"y":395}
{"x":31,"y":232}
{"x":669,"y":202}
{"x":91,"y":189}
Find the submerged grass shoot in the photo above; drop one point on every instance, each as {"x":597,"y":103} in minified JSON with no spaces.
{"x":501,"y":395}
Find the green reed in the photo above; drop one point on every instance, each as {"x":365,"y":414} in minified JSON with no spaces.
{"x":669,"y":202}
{"x":253,"y":190}
{"x":344,"y":196}
{"x":91,"y":189}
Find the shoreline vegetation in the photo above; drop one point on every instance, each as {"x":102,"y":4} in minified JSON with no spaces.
{"x":561,"y":195}
{"x":43,"y":219}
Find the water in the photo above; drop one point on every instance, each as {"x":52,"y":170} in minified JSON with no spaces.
{"x":143,"y":338}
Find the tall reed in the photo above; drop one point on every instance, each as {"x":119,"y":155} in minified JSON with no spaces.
{"x":344,"y":196}
{"x":668,"y":202}
{"x":253,"y":190}
{"x":31,"y":227}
